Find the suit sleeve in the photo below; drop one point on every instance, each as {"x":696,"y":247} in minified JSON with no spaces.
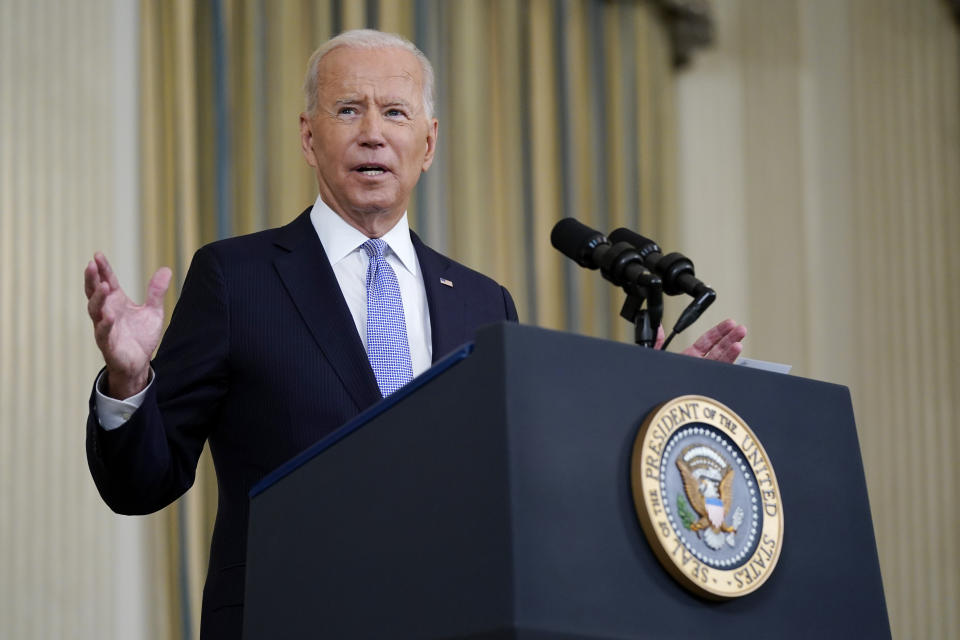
{"x":151,"y":460}
{"x":510,"y":309}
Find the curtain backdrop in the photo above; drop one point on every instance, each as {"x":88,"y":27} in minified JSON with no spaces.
{"x":69,"y":568}
{"x":820,"y":191}
{"x":547,"y":109}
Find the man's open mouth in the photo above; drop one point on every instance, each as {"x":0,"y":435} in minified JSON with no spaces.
{"x":371,"y":170}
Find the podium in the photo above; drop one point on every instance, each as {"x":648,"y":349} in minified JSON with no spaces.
{"x":491,"y":499}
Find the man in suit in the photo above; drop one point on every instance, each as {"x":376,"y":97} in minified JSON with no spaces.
{"x":281,"y":336}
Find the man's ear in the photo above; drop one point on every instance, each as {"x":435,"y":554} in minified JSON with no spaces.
{"x":306,"y":140}
{"x":432,"y":130}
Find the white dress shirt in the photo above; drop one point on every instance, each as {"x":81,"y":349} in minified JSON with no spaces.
{"x":342,"y":244}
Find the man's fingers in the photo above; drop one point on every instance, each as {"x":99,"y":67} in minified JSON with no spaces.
{"x":726,"y":350}
{"x":95,"y":301}
{"x":661,"y":336}
{"x":709,"y":340}
{"x":157,"y":287}
{"x":731,"y":353}
{"x":91,"y":278}
{"x":721,"y":343}
{"x":729,"y":346}
{"x":101,"y":332}
{"x":106,"y":272}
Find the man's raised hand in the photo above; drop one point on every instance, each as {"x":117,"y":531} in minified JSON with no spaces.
{"x":722,"y":342}
{"x":126,"y":333}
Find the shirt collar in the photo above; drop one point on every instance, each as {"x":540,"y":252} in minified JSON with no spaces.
{"x":339,"y":238}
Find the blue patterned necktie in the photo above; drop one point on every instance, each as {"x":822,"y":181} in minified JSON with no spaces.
{"x":387,"y":345}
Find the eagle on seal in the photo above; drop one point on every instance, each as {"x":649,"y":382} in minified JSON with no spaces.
{"x":708,"y":483}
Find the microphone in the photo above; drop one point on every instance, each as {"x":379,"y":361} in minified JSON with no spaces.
{"x":678,"y":277}
{"x":622,"y":265}
{"x":675,"y":268}
{"x":619,"y":263}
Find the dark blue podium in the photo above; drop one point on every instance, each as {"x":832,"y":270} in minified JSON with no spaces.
{"x":491,"y":499}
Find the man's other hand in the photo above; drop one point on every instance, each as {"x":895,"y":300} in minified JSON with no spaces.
{"x":126,"y":333}
{"x":723,"y":342}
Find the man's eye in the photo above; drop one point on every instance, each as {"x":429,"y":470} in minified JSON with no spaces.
{"x":396,"y":113}
{"x":347,"y":111}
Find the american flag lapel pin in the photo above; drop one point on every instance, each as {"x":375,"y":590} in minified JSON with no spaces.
{"x":449,"y":283}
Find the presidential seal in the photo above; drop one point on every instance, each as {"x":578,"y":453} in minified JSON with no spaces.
{"x":706,"y":497}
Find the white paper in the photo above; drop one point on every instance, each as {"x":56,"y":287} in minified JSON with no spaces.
{"x":775,"y":367}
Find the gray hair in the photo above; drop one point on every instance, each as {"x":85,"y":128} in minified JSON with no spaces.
{"x":366,"y":39}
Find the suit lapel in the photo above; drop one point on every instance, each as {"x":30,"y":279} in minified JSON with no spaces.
{"x":445,"y":303}
{"x":309,"y":279}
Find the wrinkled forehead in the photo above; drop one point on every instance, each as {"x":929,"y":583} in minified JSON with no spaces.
{"x":361,"y":73}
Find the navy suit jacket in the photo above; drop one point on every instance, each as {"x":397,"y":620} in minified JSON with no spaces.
{"x":261,"y":359}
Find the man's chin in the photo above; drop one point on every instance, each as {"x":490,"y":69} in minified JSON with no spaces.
{"x":375,"y":201}
{"x":373,"y":218}
{"x":377,"y":209}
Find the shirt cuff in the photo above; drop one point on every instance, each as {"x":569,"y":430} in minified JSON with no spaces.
{"x":112,"y":413}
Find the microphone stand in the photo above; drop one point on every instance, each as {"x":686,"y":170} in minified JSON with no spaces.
{"x":645,"y":320}
{"x":621,"y":264}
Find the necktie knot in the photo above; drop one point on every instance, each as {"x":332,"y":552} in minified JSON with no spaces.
{"x":374,"y":247}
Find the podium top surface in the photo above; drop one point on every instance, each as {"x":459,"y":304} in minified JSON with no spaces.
{"x":363,"y":418}
{"x":523,"y":332}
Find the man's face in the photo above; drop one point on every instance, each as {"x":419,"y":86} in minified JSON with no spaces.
{"x":370,"y":138}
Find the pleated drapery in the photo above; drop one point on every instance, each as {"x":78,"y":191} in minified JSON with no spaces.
{"x":821,"y":194}
{"x":905,"y":150}
{"x":69,"y":568}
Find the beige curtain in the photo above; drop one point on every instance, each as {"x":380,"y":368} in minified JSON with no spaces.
{"x":905,"y":149}
{"x":69,"y":567}
{"x":835,"y":129}
{"x":547,"y":109}
{"x":853,"y":165}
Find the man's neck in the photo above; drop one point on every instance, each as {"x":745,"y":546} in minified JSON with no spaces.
{"x":340,"y":238}
{"x":373,"y":224}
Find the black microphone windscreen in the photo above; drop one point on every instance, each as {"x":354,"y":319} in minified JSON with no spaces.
{"x":634,"y":238}
{"x":576,"y":241}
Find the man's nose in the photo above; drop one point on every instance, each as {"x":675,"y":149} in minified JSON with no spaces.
{"x":371,"y":129}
